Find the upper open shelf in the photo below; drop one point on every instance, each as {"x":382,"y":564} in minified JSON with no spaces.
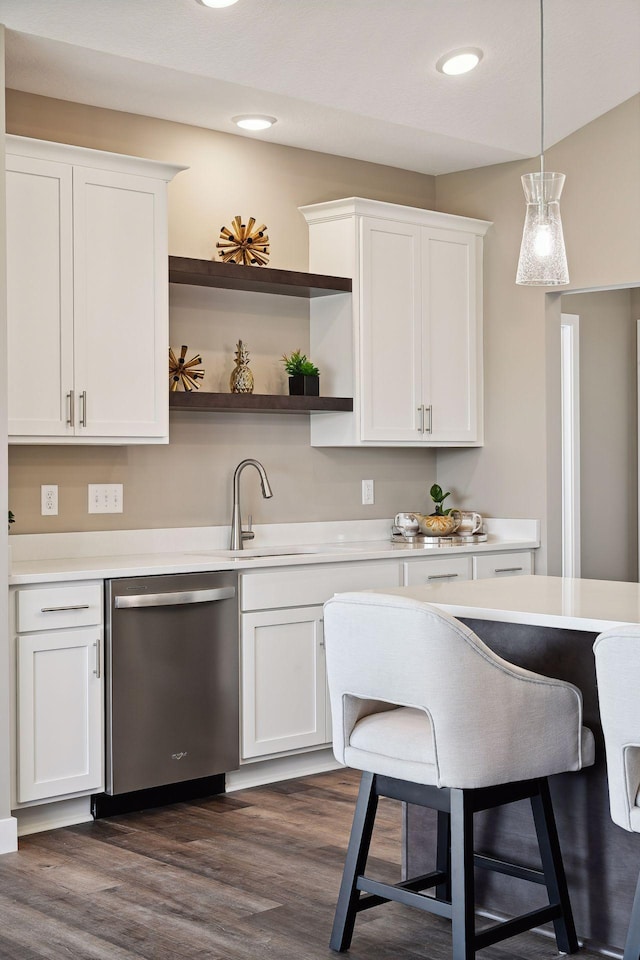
{"x":233,"y":276}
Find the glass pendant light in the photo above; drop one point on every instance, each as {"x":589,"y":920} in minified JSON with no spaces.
{"x":543,"y":260}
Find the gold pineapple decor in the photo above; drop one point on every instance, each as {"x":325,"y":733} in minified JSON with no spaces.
{"x":182,"y":371}
{"x":244,"y":243}
{"x":241,"y":380}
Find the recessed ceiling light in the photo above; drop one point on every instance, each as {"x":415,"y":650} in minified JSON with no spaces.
{"x":459,"y":61}
{"x":254,"y":121}
{"x":217,"y":3}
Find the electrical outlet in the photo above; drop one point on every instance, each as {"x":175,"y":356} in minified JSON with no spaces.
{"x":105,"y":497}
{"x":367,"y":492}
{"x":49,"y":500}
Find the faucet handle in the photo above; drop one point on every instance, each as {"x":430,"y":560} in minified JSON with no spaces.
{"x":248,"y":534}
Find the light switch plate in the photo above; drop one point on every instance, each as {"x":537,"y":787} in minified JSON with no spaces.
{"x":105,"y":497}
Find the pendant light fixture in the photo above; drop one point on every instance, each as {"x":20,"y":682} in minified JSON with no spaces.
{"x":543,"y":260}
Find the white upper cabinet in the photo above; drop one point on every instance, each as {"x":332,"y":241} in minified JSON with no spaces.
{"x":87,"y":290}
{"x":408,"y":344}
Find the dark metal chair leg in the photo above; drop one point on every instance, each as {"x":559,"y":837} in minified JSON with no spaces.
{"x":553,"y":867}
{"x":462,"y":877}
{"x":443,"y":855}
{"x":632,"y":945}
{"x":357,"y":852}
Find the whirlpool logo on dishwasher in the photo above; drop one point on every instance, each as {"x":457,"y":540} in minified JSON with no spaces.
{"x":179,"y":756}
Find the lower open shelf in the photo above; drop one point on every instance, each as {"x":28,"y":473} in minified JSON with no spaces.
{"x":257,"y":403}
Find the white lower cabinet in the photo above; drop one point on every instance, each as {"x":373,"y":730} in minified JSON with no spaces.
{"x":478,"y":567}
{"x":59,"y":713}
{"x":502,"y":564}
{"x":58,"y":691}
{"x":283,"y":681}
{"x":437,"y":570}
{"x":284,"y":687}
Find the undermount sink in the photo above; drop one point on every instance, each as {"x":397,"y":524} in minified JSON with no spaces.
{"x":258,"y":554}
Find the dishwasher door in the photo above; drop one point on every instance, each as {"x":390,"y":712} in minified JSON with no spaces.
{"x":172,"y":679}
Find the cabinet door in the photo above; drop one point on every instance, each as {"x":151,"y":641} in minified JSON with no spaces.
{"x":59,"y":727}
{"x":283,"y":681}
{"x":39,"y":296}
{"x":451,"y":341}
{"x":120,"y":297}
{"x":391,"y":346}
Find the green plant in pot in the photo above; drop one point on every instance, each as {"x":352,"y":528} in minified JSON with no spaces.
{"x":303,"y":375}
{"x":439,"y":523}
{"x":438,"y":498}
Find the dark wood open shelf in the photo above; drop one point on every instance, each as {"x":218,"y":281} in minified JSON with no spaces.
{"x":256,"y":403}
{"x":233,"y":276}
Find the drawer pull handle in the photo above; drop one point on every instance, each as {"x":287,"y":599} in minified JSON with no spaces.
{"x":507,"y":569}
{"x":75,"y":606}
{"x":441,"y":576}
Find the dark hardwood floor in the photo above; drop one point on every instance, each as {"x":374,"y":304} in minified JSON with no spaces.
{"x":252,"y":875}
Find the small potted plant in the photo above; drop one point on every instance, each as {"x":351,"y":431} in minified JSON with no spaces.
{"x":303,"y":375}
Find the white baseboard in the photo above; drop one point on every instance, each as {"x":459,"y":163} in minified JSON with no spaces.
{"x":8,"y":835}
{"x":281,"y":768}
{"x":50,"y":816}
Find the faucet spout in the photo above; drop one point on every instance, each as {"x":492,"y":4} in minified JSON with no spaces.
{"x":238,"y":535}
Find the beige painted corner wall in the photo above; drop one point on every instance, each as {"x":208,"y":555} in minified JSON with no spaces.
{"x":188,"y":483}
{"x":608,"y":436}
{"x":517,"y":472}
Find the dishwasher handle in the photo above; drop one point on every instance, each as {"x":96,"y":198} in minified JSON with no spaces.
{"x":180,"y":597}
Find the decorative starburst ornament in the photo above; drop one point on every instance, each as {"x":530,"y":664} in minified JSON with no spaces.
{"x":244,"y":244}
{"x":181,"y":371}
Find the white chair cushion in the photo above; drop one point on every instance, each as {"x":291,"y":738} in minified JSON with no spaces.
{"x":396,"y":743}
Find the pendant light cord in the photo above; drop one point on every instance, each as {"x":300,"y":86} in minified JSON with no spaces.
{"x":541,"y":86}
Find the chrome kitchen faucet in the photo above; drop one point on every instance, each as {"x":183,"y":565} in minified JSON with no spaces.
{"x":238,"y":535}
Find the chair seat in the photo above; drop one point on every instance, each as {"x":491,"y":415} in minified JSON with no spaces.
{"x":396,"y":743}
{"x":399,"y":743}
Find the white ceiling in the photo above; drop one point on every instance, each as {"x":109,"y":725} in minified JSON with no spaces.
{"x":354,"y":78}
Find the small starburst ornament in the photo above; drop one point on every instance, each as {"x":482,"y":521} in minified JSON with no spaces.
{"x":182,"y":371}
{"x":244,"y":243}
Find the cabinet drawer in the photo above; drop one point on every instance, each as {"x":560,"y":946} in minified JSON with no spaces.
{"x":437,"y":570}
{"x":502,"y":565}
{"x":303,"y":586}
{"x":51,"y":608}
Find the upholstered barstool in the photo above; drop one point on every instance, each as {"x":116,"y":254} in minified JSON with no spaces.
{"x":617,"y":654}
{"x":433,"y":717}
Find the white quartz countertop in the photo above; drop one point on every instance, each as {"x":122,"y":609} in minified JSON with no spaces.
{"x":591,"y":605}
{"x":155,"y":558}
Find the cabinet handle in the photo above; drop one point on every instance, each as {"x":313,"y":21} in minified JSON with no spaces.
{"x":83,"y":401}
{"x":441,"y":576}
{"x":71,"y":419}
{"x":96,"y":647}
{"x":421,"y":412}
{"x":75,"y":606}
{"x":430,"y":427}
{"x":507,"y":569}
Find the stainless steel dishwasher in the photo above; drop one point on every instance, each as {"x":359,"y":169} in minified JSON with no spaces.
{"x":172,"y":683}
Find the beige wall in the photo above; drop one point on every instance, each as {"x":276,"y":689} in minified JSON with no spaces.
{"x":609,"y":429}
{"x":189,"y":482}
{"x":516,"y":473}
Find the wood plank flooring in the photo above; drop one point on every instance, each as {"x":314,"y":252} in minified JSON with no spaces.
{"x":252,"y":875}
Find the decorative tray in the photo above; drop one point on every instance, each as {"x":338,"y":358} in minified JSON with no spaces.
{"x":420,"y":541}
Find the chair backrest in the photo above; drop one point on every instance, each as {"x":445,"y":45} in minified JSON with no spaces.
{"x":492,"y":722}
{"x":617,"y":653}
